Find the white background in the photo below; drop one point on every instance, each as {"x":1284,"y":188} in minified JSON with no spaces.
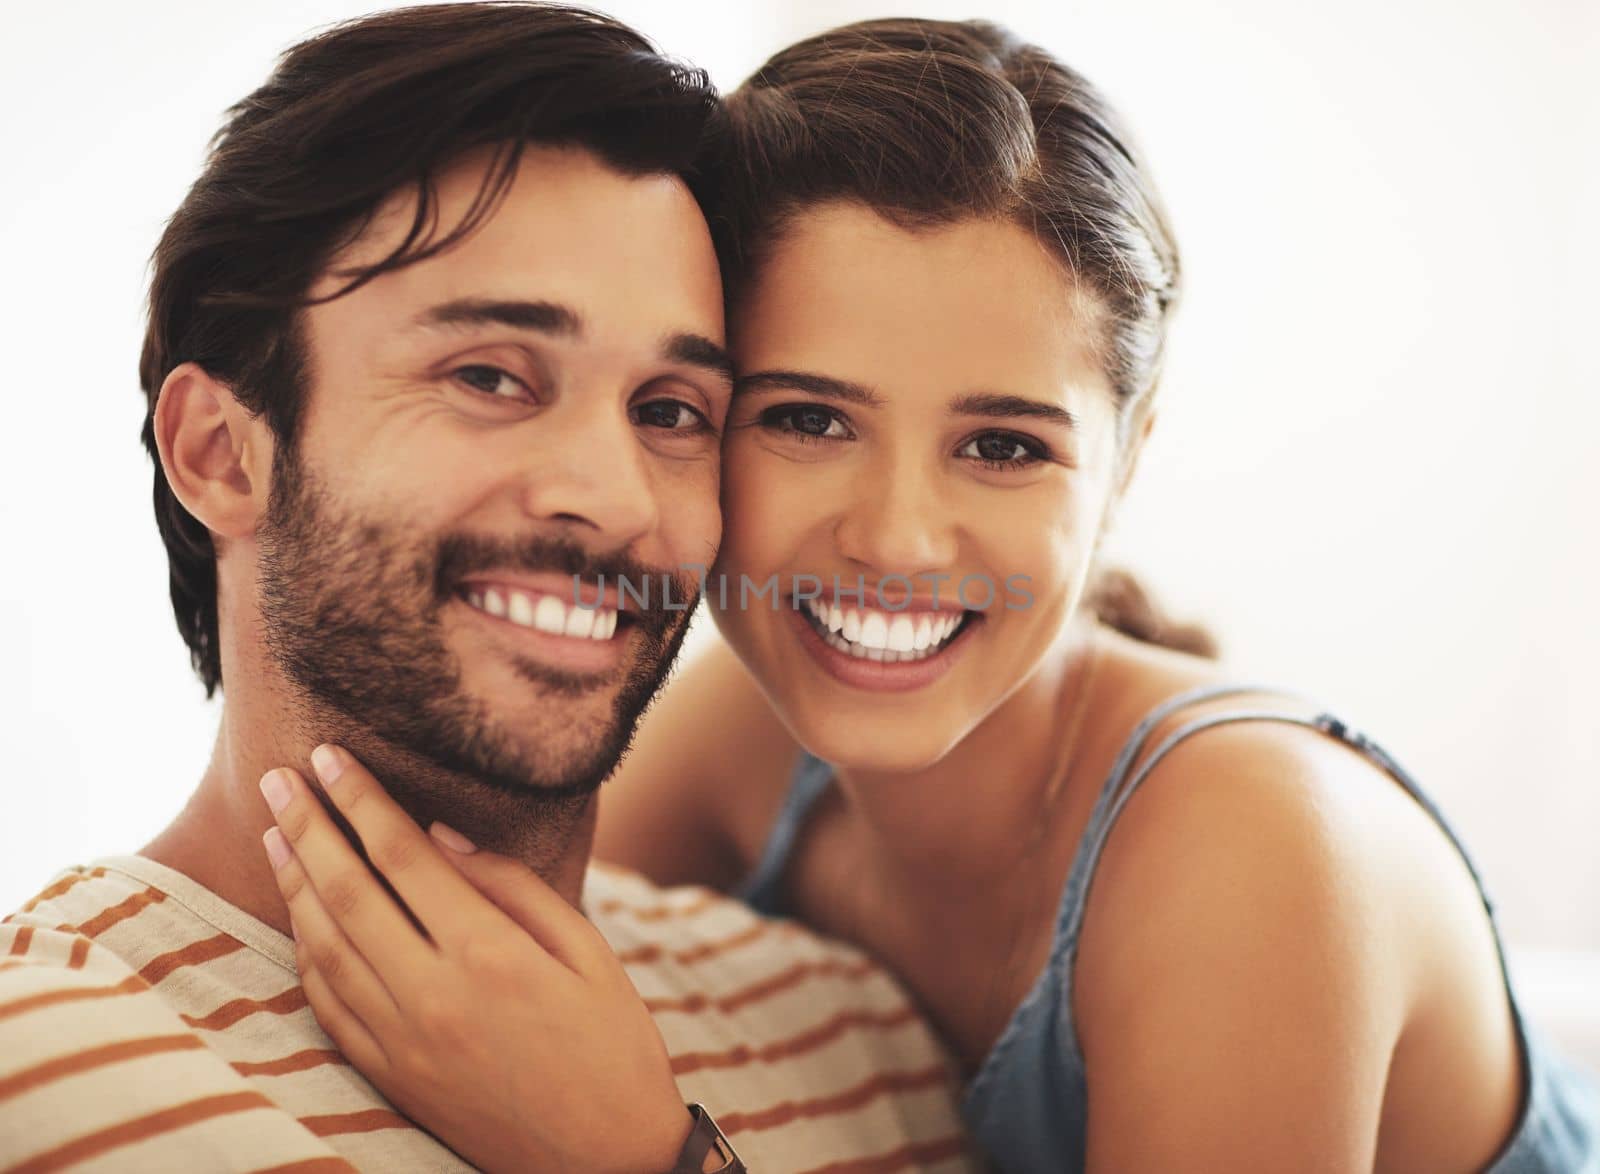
{"x":1372,"y":476}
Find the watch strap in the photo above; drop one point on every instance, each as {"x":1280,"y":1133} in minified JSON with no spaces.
{"x":705,"y":1139}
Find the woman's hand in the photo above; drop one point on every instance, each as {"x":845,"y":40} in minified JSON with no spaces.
{"x":506,"y":1026}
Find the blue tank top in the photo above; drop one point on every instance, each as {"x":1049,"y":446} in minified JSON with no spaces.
{"x":1027,"y":1106}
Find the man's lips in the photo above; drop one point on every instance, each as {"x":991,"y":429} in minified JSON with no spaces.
{"x":539,"y":584}
{"x":543,"y":611}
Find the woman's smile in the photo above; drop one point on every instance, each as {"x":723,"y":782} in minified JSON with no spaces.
{"x":880,"y":649}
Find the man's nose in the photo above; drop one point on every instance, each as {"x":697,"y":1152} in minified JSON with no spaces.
{"x":593,"y":474}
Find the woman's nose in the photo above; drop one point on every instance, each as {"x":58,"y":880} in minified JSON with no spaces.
{"x":896,"y":523}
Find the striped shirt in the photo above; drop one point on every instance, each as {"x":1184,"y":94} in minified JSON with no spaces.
{"x":148,"y":1025}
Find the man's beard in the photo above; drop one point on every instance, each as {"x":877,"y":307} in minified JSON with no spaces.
{"x":351,"y":608}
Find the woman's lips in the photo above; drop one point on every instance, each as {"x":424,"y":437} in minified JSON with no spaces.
{"x":872,"y":633}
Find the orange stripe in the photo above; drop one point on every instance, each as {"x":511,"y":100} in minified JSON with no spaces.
{"x":64,"y":1066}
{"x":52,"y":891}
{"x":845,"y":1102}
{"x":121,"y":911}
{"x":644,"y":955}
{"x":311,"y":1166}
{"x":365,"y":1121}
{"x":284,"y":1002}
{"x":207,"y":950}
{"x":80,"y":953}
{"x":662,"y":912}
{"x":19,"y":944}
{"x":131,"y":985}
{"x":141,"y":1128}
{"x":915,"y":1156}
{"x":798,"y":1045}
{"x":299,"y":1062}
{"x":766,"y":988}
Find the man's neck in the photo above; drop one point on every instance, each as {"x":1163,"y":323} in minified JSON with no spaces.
{"x":216,"y":839}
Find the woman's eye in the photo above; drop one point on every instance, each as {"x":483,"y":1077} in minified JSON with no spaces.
{"x":1005,"y":450}
{"x":671,"y":415}
{"x":492,"y":381}
{"x":807,"y":421}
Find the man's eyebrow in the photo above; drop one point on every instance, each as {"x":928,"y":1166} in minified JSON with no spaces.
{"x":1011,"y":407}
{"x":545,"y":317}
{"x":824,"y":386}
{"x":696,"y":350}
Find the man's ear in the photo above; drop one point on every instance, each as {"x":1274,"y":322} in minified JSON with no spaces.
{"x":217,"y":457}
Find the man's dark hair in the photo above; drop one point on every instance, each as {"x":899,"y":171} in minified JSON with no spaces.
{"x":349,"y":117}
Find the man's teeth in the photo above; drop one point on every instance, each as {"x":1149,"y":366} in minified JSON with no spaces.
{"x":546,"y":613}
{"x":883,"y":636}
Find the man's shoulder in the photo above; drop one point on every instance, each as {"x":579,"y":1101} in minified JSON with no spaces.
{"x":93,"y":1060}
{"x":97,"y":1064}
{"x":805,"y":1045}
{"x":49,"y":942}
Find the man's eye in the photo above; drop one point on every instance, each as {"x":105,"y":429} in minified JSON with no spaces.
{"x":492,"y":381}
{"x":670,"y":414}
{"x":806,"y":421}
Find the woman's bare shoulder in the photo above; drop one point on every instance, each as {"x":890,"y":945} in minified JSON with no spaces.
{"x":1272,"y":883}
{"x":703,"y":779}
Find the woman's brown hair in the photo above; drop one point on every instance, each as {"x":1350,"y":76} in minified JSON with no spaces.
{"x":931,"y":122}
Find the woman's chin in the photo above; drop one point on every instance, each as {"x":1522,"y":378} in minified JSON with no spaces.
{"x":883,"y":745}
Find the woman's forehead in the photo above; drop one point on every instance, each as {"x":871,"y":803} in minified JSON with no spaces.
{"x":977,"y":301}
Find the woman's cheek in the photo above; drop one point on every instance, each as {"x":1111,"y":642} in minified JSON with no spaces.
{"x":764,"y":508}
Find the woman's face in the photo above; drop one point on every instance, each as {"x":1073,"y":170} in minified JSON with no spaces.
{"x":924,"y":406}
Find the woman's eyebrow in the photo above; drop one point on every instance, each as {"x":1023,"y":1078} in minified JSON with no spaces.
{"x":1011,"y":407}
{"x":819,"y":385}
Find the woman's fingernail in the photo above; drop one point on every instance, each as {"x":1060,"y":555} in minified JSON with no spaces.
{"x":329,"y":764}
{"x":275,"y":790}
{"x":450,"y":838}
{"x":277,"y":847}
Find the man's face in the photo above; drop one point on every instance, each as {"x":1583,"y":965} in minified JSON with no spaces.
{"x":542,"y":401}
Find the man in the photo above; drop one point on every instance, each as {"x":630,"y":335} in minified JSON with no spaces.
{"x":438,"y":328}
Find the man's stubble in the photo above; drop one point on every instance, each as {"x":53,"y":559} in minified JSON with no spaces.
{"x":352,"y":614}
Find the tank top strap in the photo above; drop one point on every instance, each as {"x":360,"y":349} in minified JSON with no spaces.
{"x":762,"y":890}
{"x":1123,"y":781}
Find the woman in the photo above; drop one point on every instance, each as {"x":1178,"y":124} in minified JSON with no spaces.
{"x":1097,"y":863}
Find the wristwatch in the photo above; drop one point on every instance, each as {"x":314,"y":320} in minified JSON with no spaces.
{"x":704,"y":1140}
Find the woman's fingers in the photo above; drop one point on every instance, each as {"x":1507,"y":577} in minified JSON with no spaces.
{"x":448,"y":909}
{"x":320,"y":945}
{"x":344,"y":886}
{"x":342,"y":1025}
{"x":524,"y":896}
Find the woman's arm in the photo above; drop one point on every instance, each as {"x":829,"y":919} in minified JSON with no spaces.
{"x":693,"y":798}
{"x":494,"y":1014}
{"x":1242,"y":978}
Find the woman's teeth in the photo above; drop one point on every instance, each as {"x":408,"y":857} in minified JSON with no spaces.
{"x":545,"y":613}
{"x":880,"y":635}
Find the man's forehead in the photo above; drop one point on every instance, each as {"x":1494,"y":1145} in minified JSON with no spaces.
{"x":579,"y":246}
{"x":561,"y":199}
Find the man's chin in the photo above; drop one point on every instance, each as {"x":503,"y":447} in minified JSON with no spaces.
{"x":531,"y":737}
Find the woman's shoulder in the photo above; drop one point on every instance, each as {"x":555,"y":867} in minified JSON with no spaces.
{"x":1264,"y":838}
{"x":703,"y":779}
{"x":1236,"y":823}
{"x":1274,"y":891}
{"x":1227,"y":738}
